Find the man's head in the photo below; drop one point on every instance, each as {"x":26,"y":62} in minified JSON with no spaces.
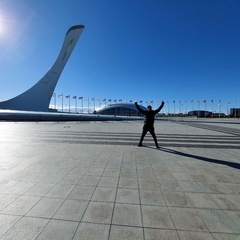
{"x":149,"y":108}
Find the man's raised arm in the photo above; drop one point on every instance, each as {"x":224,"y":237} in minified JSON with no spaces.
{"x":139,"y":109}
{"x":160,"y":108}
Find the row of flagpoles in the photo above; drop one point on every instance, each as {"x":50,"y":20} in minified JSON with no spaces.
{"x":105,"y":101}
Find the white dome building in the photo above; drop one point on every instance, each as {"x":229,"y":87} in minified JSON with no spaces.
{"x":122,"y":109}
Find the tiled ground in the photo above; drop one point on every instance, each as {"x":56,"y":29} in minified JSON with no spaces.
{"x":89,"y":180}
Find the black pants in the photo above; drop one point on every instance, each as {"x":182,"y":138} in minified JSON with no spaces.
{"x":152,"y":132}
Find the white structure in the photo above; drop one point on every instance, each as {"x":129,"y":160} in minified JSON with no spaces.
{"x":122,"y":109}
{"x":38,"y":97}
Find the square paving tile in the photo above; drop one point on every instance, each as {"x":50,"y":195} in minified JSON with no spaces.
{"x":87,"y":231}
{"x":127,"y":196}
{"x":176,"y":199}
{"x":187,"y":219}
{"x":150,"y":197}
{"x":202,"y":200}
{"x":217,"y":221}
{"x":21,"y":205}
{"x":71,"y":210}
{"x":227,"y":201}
{"x":26,"y":228}
{"x":156,"y":217}
{"x":89,"y":180}
{"x":161,"y":234}
{"x":128,"y":183}
{"x":60,"y":191}
{"x":81,"y":193}
{"x":128,"y":233}
{"x":189,"y":235}
{"x":148,"y":184}
{"x":104,"y":194}
{"x":58,"y":229}
{"x":6,"y":222}
{"x":45,"y":208}
{"x":127,"y":214}
{"x":98,"y":212}
{"x":108,"y":182}
{"x":39,"y":189}
{"x":6,"y":199}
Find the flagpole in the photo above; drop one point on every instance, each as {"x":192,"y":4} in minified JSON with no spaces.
{"x":88,"y":104}
{"x":198,"y":107}
{"x":75,"y":97}
{"x":212,"y":108}
{"x":174,"y":107}
{"x":61,"y":95}
{"x":168,"y":107}
{"x":236,"y":109}
{"x":205,"y":108}
{"x":219,"y":108}
{"x":82,"y":104}
{"x":93,"y":104}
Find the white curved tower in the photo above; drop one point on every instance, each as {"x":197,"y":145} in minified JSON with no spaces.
{"x":38,"y":97}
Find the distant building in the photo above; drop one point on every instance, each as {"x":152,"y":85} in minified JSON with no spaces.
{"x":120,"y":109}
{"x":235,"y":112}
{"x":200,"y":113}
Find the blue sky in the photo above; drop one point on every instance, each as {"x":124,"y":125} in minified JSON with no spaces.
{"x":169,"y":50}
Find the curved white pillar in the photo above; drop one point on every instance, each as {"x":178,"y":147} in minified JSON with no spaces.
{"x":38,"y":97}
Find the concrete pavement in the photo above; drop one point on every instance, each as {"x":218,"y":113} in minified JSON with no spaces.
{"x":89,"y":180}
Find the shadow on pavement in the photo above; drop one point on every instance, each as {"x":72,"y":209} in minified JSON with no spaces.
{"x":222,"y":162}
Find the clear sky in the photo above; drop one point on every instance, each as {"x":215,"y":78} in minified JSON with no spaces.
{"x":173,"y":50}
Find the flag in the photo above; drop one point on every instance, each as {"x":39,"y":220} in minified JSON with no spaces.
{"x":130,"y":101}
{"x":109,"y":100}
{"x":219,"y":101}
{"x":191,"y":101}
{"x":80,"y":97}
{"x":198,"y":101}
{"x":60,"y":95}
{"x":98,"y":99}
{"x":74,"y":97}
{"x":204,"y":101}
{"x":104,"y":100}
{"x":115,"y":100}
{"x":212,"y":100}
{"x":87,"y":98}
{"x":140,"y":101}
{"x":68,"y":96}
{"x":151,"y":102}
{"x":93,"y":99}
{"x":173,"y":101}
{"x":120,"y":100}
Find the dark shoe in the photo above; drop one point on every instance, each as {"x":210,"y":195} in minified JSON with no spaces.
{"x":140,"y":145}
{"x":157,"y":146}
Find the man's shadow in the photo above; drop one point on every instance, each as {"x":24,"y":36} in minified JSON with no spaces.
{"x":222,"y":162}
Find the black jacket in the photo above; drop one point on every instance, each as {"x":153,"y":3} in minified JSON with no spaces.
{"x":149,"y":115}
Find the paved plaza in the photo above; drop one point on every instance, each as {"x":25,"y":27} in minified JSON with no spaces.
{"x":90,"y":180}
